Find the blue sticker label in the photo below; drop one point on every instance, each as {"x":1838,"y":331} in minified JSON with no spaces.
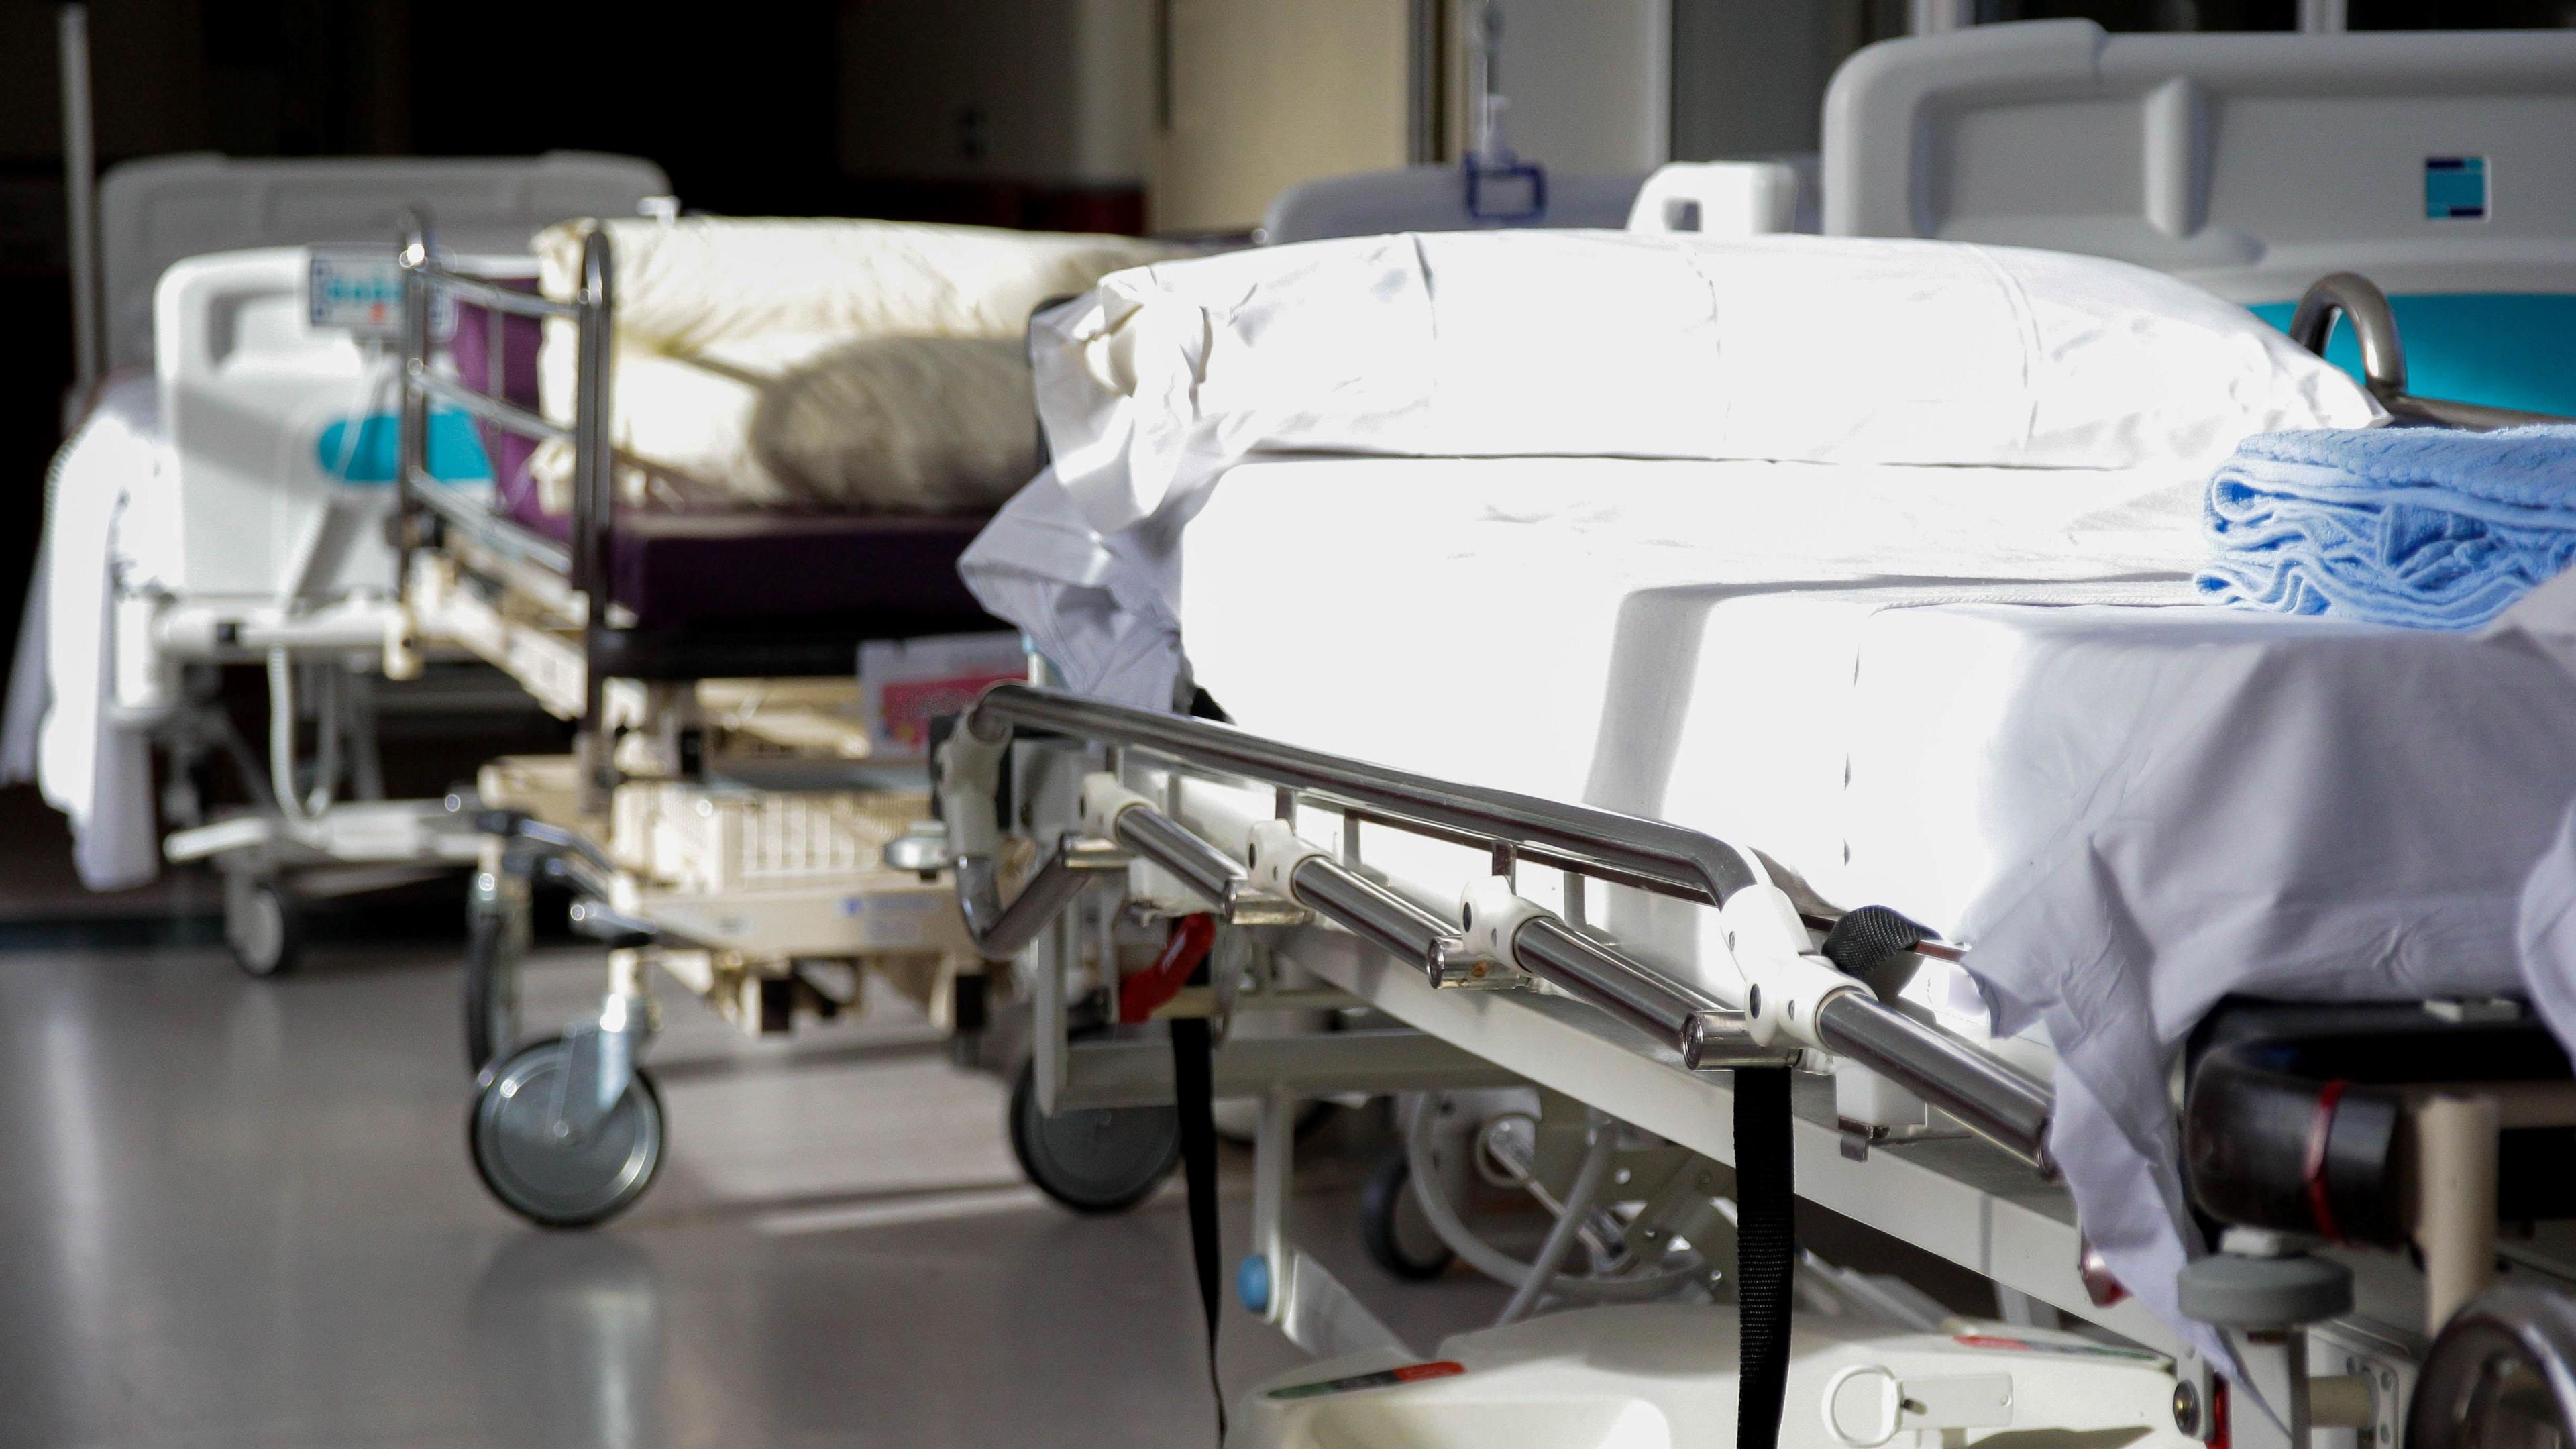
{"x":2455,"y":188}
{"x":367,"y":455}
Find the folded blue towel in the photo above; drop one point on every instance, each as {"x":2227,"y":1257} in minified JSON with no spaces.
{"x":2432,"y":528}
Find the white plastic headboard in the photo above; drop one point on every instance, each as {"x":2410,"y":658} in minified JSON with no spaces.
{"x":154,"y":212}
{"x":2252,"y":164}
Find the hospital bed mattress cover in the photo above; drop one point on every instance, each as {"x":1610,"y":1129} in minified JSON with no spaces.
{"x":2124,"y":805}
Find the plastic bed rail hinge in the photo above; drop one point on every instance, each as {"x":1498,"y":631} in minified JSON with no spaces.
{"x":1784,"y":980}
{"x":1272,"y":858}
{"x":1104,"y":797}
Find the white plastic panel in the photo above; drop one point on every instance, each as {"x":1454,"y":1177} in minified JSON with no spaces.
{"x":2253,"y":164}
{"x":156,"y":211}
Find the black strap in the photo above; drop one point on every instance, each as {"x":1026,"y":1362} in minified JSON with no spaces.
{"x":1194,"y":1096}
{"x":1766,"y":1251}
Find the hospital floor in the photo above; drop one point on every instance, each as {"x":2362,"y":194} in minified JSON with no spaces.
{"x":240,"y":1213}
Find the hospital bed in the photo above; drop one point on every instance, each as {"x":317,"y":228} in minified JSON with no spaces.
{"x":750,"y":683}
{"x":224,"y":504}
{"x":1730,"y":1003}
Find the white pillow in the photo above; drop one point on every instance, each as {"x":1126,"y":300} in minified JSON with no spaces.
{"x":1610,"y":344}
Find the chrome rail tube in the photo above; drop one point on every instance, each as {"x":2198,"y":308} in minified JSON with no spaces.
{"x":1001,"y":932}
{"x":1678,"y":861}
{"x":493,"y":296}
{"x":1201,"y":866}
{"x":1374,"y":914}
{"x":1983,"y":1094}
{"x":2359,"y":301}
{"x":411,"y":435}
{"x":1695,"y":1023}
{"x":1987,"y":1097}
{"x":496,"y":533}
{"x":493,"y":410}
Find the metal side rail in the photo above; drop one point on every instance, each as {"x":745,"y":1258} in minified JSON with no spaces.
{"x":1793,"y":998}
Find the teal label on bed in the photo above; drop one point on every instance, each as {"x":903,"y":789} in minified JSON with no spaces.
{"x":2455,"y":188}
{"x":455,"y":453}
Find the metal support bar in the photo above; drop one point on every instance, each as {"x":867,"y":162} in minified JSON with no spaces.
{"x":1984,"y":1095}
{"x":1382,"y":918}
{"x":1650,"y":852}
{"x":1001,"y":932}
{"x":1707,"y":1034}
{"x":498,"y":298}
{"x":80,"y":195}
{"x":1987,"y":1097}
{"x":505,"y":415}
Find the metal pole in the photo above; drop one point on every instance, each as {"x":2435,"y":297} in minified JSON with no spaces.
{"x":593,"y":505}
{"x":2323,"y":17}
{"x":80,"y":192}
{"x":1936,"y":17}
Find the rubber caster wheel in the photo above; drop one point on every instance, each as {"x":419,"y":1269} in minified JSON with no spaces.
{"x":496,"y":941}
{"x":1398,"y":1237}
{"x":262,"y":927}
{"x":1092,"y":1160}
{"x":552,"y":1181}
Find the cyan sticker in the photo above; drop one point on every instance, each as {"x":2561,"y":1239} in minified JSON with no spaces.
{"x":455,"y":453}
{"x":2455,"y":188}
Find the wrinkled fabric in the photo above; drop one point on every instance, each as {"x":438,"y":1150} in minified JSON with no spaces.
{"x":1612,"y":344}
{"x":103,"y":517}
{"x":2430,"y":528}
{"x":1946,"y":700}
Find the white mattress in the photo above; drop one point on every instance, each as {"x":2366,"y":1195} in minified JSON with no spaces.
{"x":1973,"y":696}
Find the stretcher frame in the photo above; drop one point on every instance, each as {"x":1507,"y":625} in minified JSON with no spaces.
{"x":658,"y":718}
{"x":1168,"y":816}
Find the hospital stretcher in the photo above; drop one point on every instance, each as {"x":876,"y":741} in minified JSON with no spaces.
{"x":728,"y":818}
{"x":1467,"y":915}
{"x":2384,"y":1183}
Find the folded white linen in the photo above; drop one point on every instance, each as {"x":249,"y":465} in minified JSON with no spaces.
{"x":1616,"y":344}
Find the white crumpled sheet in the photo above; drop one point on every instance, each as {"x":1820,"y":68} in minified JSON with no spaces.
{"x":104,"y":516}
{"x":2125,"y":813}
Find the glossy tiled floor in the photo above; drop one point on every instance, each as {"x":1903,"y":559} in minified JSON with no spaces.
{"x":240,"y":1213}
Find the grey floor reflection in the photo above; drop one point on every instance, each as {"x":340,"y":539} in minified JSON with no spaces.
{"x":569,"y":1343}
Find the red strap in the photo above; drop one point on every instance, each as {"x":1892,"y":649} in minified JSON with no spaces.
{"x":2320,"y":1206}
{"x":1141,"y":993}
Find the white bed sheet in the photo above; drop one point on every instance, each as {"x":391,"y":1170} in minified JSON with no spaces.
{"x":2125,"y":805}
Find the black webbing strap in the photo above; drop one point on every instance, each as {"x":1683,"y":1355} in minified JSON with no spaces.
{"x":1194,"y":1097}
{"x":1766,"y":1252}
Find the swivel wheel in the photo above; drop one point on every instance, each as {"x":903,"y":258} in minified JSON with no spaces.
{"x":1392,"y":1226}
{"x":1093,"y":1160}
{"x":541,"y":1162}
{"x":262,"y":926}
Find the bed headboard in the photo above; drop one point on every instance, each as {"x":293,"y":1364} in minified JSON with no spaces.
{"x":2440,"y":164}
{"x":2432,"y":161}
{"x":155,"y":211}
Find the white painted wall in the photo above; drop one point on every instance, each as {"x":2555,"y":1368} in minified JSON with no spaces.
{"x":1590,"y":82}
